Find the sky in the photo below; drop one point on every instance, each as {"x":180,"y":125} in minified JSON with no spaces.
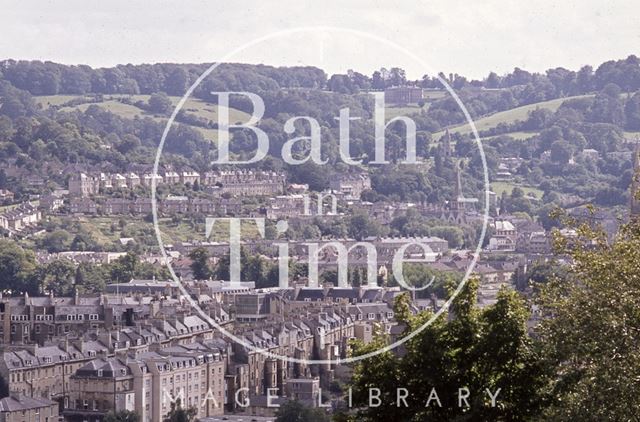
{"x":470,"y":38}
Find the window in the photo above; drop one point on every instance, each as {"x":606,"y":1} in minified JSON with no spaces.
{"x":372,"y":315}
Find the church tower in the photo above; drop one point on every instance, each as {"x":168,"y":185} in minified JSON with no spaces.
{"x":456,"y":212}
{"x":446,"y":145}
{"x":456,"y":203}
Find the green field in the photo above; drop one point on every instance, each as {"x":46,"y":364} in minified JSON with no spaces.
{"x":631,"y":136}
{"x":112,"y":104}
{"x":107,"y":229}
{"x":508,"y":116}
{"x":391,"y":111}
{"x":432,"y":94}
{"x":521,"y":136}
{"x":499,"y":187}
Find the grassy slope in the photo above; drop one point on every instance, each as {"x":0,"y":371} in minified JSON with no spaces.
{"x":100,"y":229}
{"x":193,"y":106}
{"x":499,"y":187}
{"x":508,"y":116}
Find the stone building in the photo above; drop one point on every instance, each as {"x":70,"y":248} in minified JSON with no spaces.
{"x":351,"y":185}
{"x":20,"y":408}
{"x":83,"y":185}
{"x":402,"y":95}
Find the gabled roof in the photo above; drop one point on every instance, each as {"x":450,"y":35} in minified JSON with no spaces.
{"x":19,"y":403}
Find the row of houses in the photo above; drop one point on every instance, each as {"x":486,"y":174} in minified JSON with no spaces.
{"x":19,"y":218}
{"x":155,"y":351}
{"x":168,"y":205}
{"x":234,"y":182}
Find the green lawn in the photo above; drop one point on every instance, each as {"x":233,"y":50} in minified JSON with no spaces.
{"x":499,"y":187}
{"x":193,"y":106}
{"x":632,"y":136}
{"x":508,"y":116}
{"x":521,"y":136}
{"x":53,"y":100}
{"x":430,"y":95}
{"x":100,"y":229}
{"x":391,"y":111}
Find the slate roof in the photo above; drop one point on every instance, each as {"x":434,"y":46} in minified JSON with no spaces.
{"x":14,"y":403}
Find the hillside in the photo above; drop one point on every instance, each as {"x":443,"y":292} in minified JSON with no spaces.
{"x":115,"y":104}
{"x":509,"y":116}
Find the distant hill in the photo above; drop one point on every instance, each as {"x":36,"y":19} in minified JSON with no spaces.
{"x":508,"y":116}
{"x":129,"y":110}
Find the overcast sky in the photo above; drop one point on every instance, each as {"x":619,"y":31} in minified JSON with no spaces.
{"x":467,"y":37}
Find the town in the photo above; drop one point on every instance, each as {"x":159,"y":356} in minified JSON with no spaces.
{"x":225,"y":262}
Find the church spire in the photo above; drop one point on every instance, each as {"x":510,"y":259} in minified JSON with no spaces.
{"x":446,"y":147}
{"x":458,"y":192}
{"x":456,"y":203}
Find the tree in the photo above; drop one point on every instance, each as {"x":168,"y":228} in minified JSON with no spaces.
{"x":200,"y":264}
{"x":160,"y":103}
{"x":470,"y":348}
{"x":177,"y":82}
{"x":294,"y":411}
{"x":91,"y":278}
{"x":560,"y":152}
{"x":16,"y":269}
{"x":361,"y":227}
{"x":122,"y":416}
{"x":590,"y":324}
{"x":632,"y":112}
{"x":58,"y":277}
{"x":177,"y":413}
{"x":57,"y":241}
{"x":125,"y":268}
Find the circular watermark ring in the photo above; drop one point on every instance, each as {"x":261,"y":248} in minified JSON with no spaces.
{"x":158,"y":232}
